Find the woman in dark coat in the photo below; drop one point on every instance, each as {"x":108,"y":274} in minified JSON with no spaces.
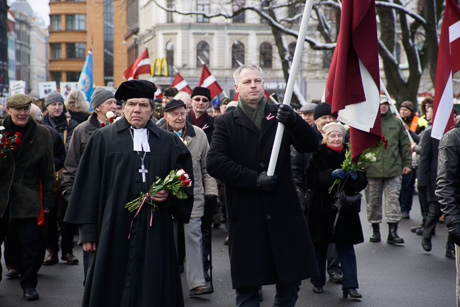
{"x":324,"y":169}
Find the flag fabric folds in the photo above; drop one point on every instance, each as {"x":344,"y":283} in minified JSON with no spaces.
{"x":85,"y":82}
{"x":140,"y":66}
{"x":209,"y":81}
{"x":448,"y":63}
{"x":353,"y":83}
{"x":181,"y":85}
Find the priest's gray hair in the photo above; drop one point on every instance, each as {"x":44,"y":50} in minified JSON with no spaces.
{"x":236,"y":74}
{"x":35,"y":112}
{"x":151,"y":101}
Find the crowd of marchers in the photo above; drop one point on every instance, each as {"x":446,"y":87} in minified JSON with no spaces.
{"x":66,"y":170}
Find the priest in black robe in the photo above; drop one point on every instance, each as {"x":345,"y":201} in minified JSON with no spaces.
{"x":132,"y":257}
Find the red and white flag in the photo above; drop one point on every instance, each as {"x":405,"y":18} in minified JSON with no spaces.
{"x":448,"y":63}
{"x":140,"y":66}
{"x":181,"y":84}
{"x":209,"y":81}
{"x":353,"y":83}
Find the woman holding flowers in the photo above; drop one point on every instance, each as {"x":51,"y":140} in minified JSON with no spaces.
{"x":326,"y":223}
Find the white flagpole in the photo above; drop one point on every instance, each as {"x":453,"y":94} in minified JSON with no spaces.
{"x":290,"y":84}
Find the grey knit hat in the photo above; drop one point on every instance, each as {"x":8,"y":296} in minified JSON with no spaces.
{"x":99,"y":96}
{"x":53,"y":97}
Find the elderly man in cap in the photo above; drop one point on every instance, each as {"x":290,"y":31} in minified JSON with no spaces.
{"x":56,"y":117}
{"x":197,"y":143}
{"x":307,"y":113}
{"x":132,"y":259}
{"x":24,"y":171}
{"x":384,"y":176}
{"x":102,"y":102}
{"x":201,"y":99}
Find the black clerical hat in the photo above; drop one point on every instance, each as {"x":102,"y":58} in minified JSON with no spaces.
{"x":174,"y":103}
{"x":136,"y":89}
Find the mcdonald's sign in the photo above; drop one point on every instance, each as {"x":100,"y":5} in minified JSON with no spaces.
{"x":160,"y":64}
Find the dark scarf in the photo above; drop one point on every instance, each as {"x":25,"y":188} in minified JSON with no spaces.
{"x":198,"y":121}
{"x":257,"y":114}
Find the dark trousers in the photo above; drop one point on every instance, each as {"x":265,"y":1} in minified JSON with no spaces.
{"x":206,"y":228}
{"x":407,"y":191}
{"x":433,"y":217}
{"x":67,"y":234}
{"x":347,"y":258}
{"x":333,"y":263}
{"x":424,"y":205}
{"x":286,"y":295}
{"x":27,"y":231}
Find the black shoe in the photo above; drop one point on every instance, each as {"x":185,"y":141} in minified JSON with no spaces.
{"x":426,"y":244}
{"x":226,"y":240}
{"x":375,"y":233}
{"x":318,"y":289}
{"x":450,"y":253}
{"x":51,"y":259}
{"x":405,"y":215}
{"x":200,"y":290}
{"x":393,"y":237}
{"x":69,"y":258}
{"x":30,"y":294}
{"x":336,"y":277}
{"x":414,"y":229}
{"x":419,"y":232}
{"x":352,"y":292}
{"x":216,"y":225}
{"x":12,"y":274}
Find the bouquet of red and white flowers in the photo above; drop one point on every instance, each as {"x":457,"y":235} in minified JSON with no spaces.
{"x":111,"y":118}
{"x":7,"y":142}
{"x":174,"y":183}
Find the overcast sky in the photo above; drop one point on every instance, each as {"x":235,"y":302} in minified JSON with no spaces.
{"x":40,"y":7}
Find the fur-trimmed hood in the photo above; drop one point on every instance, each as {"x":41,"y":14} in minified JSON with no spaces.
{"x":76,"y":102}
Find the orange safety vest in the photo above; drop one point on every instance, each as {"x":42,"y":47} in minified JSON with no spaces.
{"x":413,"y":125}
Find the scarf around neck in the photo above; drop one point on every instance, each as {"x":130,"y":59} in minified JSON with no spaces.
{"x":255,"y":114}
{"x":198,"y":121}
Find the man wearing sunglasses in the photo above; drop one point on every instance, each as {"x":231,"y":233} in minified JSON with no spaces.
{"x":198,"y":116}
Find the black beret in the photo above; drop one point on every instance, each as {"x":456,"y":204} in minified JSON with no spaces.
{"x":174,"y":103}
{"x":136,"y":89}
{"x":202,"y":91}
{"x":322,"y":109}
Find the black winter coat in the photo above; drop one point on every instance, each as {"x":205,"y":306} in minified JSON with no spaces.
{"x":428,"y":164}
{"x":268,"y":239}
{"x":321,"y":214}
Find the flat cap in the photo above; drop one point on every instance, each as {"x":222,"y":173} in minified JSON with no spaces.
{"x":308,"y":108}
{"x":174,"y":103}
{"x":136,"y":89}
{"x":18,"y":101}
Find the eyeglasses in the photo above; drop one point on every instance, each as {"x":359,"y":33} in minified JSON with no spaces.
{"x":176,"y":115}
{"x":201,"y":99}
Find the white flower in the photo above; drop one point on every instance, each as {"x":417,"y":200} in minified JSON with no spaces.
{"x":2,"y":128}
{"x":190,"y":184}
{"x":369,"y":156}
{"x":180,"y":172}
{"x":373,"y":159}
{"x":109,"y":114}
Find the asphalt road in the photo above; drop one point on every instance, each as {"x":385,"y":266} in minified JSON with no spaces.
{"x":388,"y":276}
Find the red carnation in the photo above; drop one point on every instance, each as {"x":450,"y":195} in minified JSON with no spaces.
{"x":18,"y":134}
{"x":7,"y":133}
{"x":102,"y":125}
{"x":182,"y":177}
{"x":186,"y":183}
{"x":17,"y":141}
{"x":15,"y":148}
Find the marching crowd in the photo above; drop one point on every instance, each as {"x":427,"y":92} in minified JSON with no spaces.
{"x":65,"y":170}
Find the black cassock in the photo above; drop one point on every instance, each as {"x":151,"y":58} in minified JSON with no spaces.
{"x":141,"y":270}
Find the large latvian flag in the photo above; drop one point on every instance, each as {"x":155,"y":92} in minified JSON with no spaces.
{"x":353,"y":83}
{"x":181,"y":85}
{"x":140,"y":66}
{"x":448,"y":63}
{"x":209,"y":81}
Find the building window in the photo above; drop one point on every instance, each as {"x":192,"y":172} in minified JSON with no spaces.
{"x":237,"y":54}
{"x":238,"y":18}
{"x":56,"y":51}
{"x":264,"y":7}
{"x":132,"y":54}
{"x":266,"y":55}
{"x":170,"y":16}
{"x":55,"y":22}
{"x":56,"y":76}
{"x":108,"y":41}
{"x":202,"y":54}
{"x":75,"y":22}
{"x":170,"y":56}
{"x":202,"y":6}
{"x":72,"y":76}
{"x":76,"y":51}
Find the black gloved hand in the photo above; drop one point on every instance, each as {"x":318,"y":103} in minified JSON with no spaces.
{"x":265,"y":182}
{"x":353,"y":175}
{"x":338,"y":174}
{"x":286,"y":115}
{"x":211,"y":200}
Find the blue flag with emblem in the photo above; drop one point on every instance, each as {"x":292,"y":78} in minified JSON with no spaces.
{"x":85,"y":82}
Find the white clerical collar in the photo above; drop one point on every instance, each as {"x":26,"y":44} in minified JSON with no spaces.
{"x":140,"y":139}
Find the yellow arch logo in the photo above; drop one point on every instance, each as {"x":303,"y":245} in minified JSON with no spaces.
{"x":160,"y":64}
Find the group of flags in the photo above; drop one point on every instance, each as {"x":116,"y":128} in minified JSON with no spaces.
{"x":142,"y":66}
{"x":353,"y":84}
